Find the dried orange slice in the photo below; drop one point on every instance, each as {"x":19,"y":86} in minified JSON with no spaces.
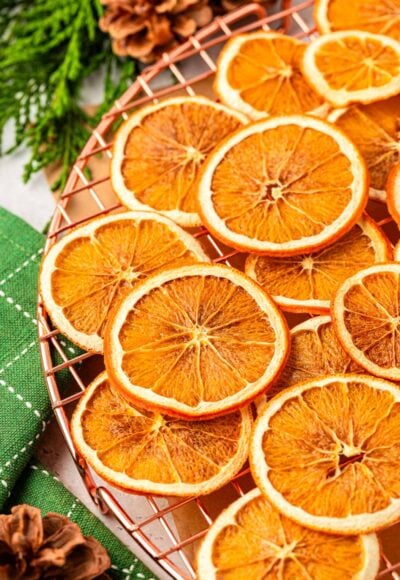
{"x":251,"y":539}
{"x":307,"y":283}
{"x":259,"y":74}
{"x":326,"y":453}
{"x":393,"y":194}
{"x":353,"y":67}
{"x":374,"y":129}
{"x":152,"y":453}
{"x":160,"y":149}
{"x":92,"y":267}
{"x":380,"y":16}
{"x":366,"y":315}
{"x":315,"y":351}
{"x":195,"y":341}
{"x":283,"y":186}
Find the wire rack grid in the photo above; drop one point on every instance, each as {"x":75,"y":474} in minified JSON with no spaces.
{"x":84,"y":199}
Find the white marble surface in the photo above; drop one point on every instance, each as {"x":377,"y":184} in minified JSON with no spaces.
{"x":34,"y":202}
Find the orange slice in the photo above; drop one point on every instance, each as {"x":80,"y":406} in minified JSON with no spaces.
{"x":315,"y":351}
{"x":160,"y":149}
{"x":353,"y":67}
{"x":259,"y":74}
{"x":152,"y":453}
{"x":195,"y":341}
{"x":366,"y":315}
{"x":92,"y":267}
{"x":308,"y":282}
{"x":250,"y":539}
{"x":283,"y":186}
{"x":326,"y":453}
{"x":393,"y":194}
{"x":374,"y":129}
{"x":380,"y":16}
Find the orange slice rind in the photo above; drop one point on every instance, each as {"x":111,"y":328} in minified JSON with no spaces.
{"x":353,"y":67}
{"x":250,"y":539}
{"x":307,"y":283}
{"x":195,"y":341}
{"x":88,"y":270}
{"x":366,"y":315}
{"x":159,"y":150}
{"x":283,"y":186}
{"x":260,"y":74}
{"x":326,"y":452}
{"x":146,"y":452}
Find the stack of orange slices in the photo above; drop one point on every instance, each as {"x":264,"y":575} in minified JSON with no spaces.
{"x":281,"y":170}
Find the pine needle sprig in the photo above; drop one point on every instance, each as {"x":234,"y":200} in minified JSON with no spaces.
{"x":48,"y":51}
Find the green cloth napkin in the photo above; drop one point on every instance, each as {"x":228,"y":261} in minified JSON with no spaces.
{"x":24,"y":404}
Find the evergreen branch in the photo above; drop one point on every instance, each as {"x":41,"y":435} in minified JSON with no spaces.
{"x":48,"y":50}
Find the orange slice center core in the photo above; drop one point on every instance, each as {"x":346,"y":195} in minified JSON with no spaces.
{"x":272,"y":191}
{"x":307,"y":263}
{"x":347,"y":456}
{"x":193,"y":154}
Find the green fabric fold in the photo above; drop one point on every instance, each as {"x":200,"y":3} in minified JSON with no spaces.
{"x":24,"y":403}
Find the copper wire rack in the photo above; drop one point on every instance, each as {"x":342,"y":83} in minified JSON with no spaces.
{"x":188,"y":69}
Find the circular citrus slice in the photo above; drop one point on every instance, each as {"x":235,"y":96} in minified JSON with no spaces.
{"x":259,"y":74}
{"x":160,"y":149}
{"x":380,"y":16}
{"x":195,"y":341}
{"x":393,"y":193}
{"x":374,"y":129}
{"x":307,"y":283}
{"x":152,"y":453}
{"x":353,"y":67}
{"x":92,"y":267}
{"x":366,"y":315}
{"x":251,"y":539}
{"x":283,"y":186}
{"x":326,"y":453}
{"x":315,"y":351}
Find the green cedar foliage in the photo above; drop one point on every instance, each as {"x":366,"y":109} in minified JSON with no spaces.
{"x":48,"y":49}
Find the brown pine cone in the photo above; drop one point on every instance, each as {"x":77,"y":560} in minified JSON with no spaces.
{"x":144,"y":29}
{"x":32,"y":547}
{"x":221,"y":6}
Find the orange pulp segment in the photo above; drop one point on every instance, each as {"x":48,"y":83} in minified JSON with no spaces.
{"x":380,"y":16}
{"x":374,"y":129}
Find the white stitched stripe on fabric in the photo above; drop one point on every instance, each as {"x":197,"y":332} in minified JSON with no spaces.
{"x":70,"y":348}
{"x":17,"y":306}
{"x":44,"y":471}
{"x":20,"y":355}
{"x":23,"y":449}
{"x":27,"y":404}
{"x":22,"y":266}
{"x":69,"y":514}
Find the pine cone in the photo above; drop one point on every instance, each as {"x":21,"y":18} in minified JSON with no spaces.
{"x":32,"y":547}
{"x":221,"y":6}
{"x":144,"y":29}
